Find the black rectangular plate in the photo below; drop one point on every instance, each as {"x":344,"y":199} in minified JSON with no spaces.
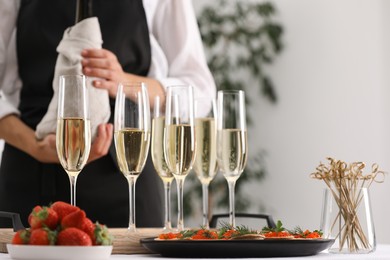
{"x":236,"y":248}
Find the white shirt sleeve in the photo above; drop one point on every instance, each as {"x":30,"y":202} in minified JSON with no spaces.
{"x":10,"y":84}
{"x":177,"y":51}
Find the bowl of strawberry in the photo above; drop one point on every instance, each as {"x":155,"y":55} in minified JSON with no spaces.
{"x":61,"y":231}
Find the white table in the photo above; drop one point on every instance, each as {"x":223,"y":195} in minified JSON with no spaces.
{"x":382,"y":252}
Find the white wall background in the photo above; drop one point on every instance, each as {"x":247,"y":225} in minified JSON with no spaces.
{"x":333,"y":83}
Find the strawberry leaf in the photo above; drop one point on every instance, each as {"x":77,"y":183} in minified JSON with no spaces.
{"x":103,"y":237}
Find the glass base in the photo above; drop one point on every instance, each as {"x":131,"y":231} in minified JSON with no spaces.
{"x":131,"y":230}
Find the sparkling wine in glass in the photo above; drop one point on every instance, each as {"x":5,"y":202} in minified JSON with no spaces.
{"x":132,"y":136}
{"x":73,"y":135}
{"x":158,"y":158}
{"x":205,"y":164}
{"x":232,"y":146}
{"x":179,"y":138}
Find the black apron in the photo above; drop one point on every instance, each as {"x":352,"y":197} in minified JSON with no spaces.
{"x":102,"y":191}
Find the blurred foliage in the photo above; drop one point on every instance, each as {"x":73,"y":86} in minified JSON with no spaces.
{"x":240,"y":39}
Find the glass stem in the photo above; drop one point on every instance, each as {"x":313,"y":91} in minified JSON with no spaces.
{"x":131,"y":180}
{"x":72,"y":180}
{"x":167,"y":190}
{"x":205,"y":198}
{"x":232,"y":221}
{"x":180,"y":215}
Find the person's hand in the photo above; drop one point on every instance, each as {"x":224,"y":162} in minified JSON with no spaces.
{"x":103,"y":64}
{"x":45,"y":150}
{"x":102,"y":142}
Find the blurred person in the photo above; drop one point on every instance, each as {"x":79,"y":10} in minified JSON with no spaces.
{"x":154,"y":41}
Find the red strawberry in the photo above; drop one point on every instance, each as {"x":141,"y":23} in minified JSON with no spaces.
{"x":63,"y":209}
{"x":43,"y":217}
{"x":21,"y":237}
{"x":74,"y":219}
{"x":73,"y":237}
{"x":42,"y":236}
{"x":98,"y":232}
{"x":88,"y":227}
{"x":35,"y":209}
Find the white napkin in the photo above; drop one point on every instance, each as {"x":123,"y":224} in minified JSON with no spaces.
{"x":85,"y":34}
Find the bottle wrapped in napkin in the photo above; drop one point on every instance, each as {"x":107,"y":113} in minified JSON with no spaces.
{"x":85,"y":34}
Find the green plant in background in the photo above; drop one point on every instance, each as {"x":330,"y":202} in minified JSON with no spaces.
{"x":240,"y":38}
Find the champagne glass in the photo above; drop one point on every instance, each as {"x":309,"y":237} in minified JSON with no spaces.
{"x":132,"y":136}
{"x":73,"y":135}
{"x":232,"y":144}
{"x":205,"y":164}
{"x":179,"y":138}
{"x":158,"y":158}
